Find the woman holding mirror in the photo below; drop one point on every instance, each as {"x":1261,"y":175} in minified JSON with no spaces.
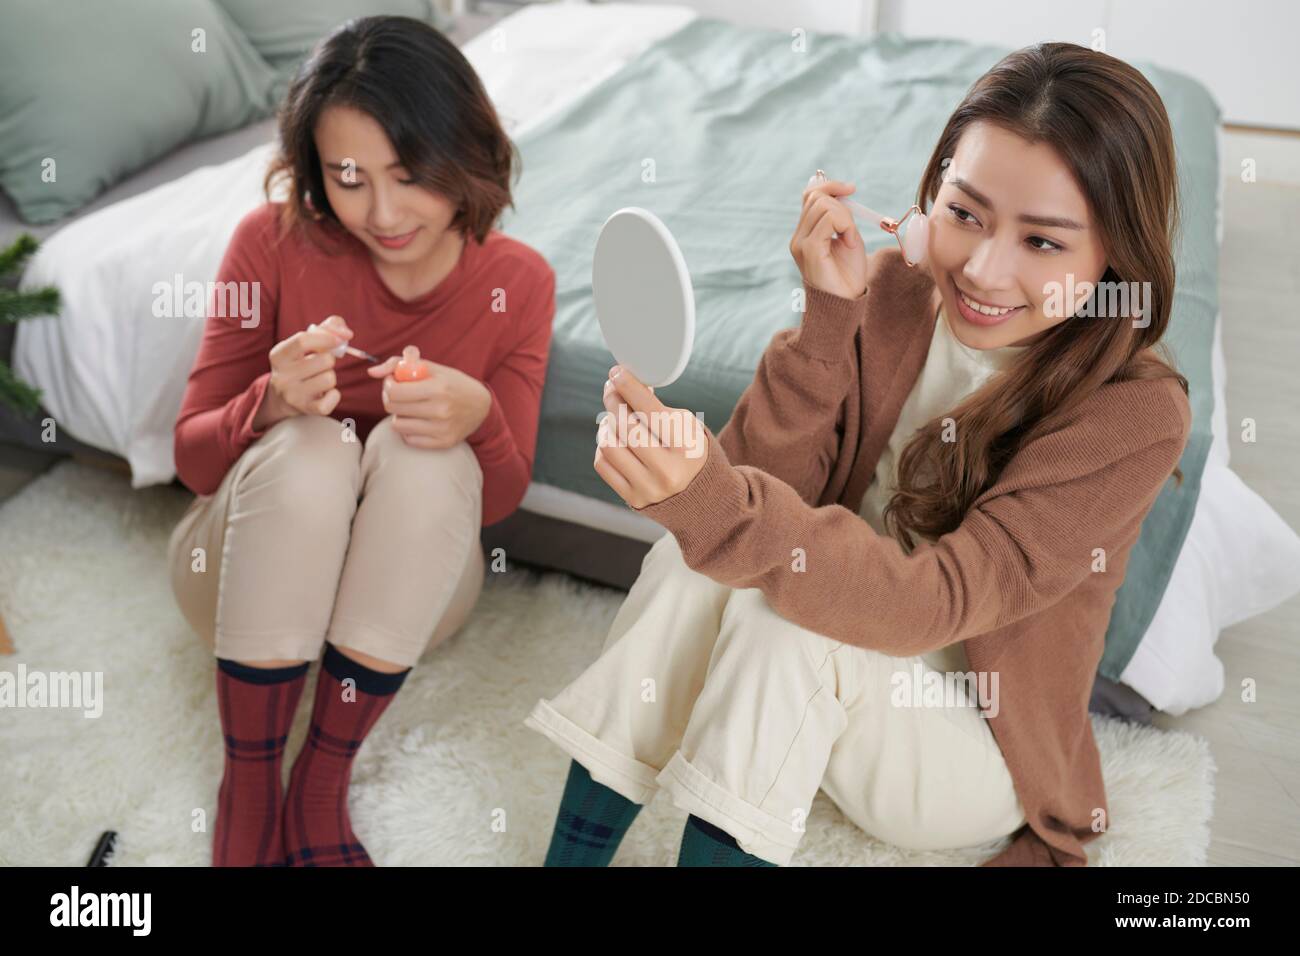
{"x":933,"y":484}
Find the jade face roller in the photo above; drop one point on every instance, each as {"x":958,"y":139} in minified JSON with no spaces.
{"x":912,"y":231}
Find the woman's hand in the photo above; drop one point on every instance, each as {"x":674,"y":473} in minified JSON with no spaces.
{"x":437,"y":410}
{"x":837,"y":266}
{"x":655,"y":452}
{"x":302,"y":373}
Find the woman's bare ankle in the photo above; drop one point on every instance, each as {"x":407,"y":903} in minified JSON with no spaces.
{"x":269,"y":664}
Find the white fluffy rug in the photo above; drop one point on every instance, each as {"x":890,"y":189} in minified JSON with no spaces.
{"x":84,"y":587}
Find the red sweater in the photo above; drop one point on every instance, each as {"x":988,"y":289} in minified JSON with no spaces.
{"x":456,"y":324}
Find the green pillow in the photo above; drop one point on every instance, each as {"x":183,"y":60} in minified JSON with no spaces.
{"x":91,"y":91}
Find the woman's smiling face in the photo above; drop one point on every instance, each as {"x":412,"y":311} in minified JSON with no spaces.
{"x":400,"y":222}
{"x":1008,"y":221}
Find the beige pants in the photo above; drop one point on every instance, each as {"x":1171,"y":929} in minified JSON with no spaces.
{"x":742,"y":716}
{"x":311,"y":537}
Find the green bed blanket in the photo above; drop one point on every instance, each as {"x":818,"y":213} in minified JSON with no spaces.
{"x":716,"y":129}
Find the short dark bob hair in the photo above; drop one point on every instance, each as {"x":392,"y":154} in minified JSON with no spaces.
{"x":420,"y":88}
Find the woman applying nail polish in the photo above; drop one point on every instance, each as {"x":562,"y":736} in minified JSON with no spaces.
{"x":339,"y":503}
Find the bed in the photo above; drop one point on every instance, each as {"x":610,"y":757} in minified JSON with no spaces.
{"x":689,"y":98}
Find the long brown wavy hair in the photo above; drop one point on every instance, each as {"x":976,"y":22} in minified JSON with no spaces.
{"x":1110,"y":127}
{"x":431,"y":104}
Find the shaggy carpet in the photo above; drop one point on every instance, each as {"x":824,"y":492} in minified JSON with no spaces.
{"x":449,"y":775}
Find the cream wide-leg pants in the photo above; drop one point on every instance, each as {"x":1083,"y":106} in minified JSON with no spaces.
{"x":310,"y":538}
{"x":704,"y":691}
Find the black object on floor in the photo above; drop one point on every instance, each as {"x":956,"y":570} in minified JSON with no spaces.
{"x":103,"y":849}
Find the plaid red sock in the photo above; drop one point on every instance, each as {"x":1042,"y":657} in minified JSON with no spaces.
{"x":317,"y":829}
{"x":257,"y":707}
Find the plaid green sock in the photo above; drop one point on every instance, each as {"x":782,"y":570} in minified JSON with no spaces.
{"x":591,"y":822}
{"x":703,"y":844}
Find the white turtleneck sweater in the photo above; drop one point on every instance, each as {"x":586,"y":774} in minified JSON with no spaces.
{"x":952,"y":371}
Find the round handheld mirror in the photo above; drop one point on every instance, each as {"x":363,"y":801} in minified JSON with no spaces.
{"x":642,"y":291}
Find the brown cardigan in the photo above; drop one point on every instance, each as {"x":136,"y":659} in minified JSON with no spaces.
{"x":1015,"y":581}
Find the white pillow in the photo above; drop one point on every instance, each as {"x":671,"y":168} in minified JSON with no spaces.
{"x":1239,"y":559}
{"x":1219,"y":417}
